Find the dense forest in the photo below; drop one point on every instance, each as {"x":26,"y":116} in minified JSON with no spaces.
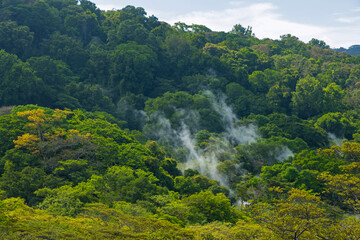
{"x":115,"y":125}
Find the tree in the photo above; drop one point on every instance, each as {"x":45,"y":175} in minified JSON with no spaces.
{"x":129,"y":30}
{"x":258,"y":82}
{"x":16,"y":39}
{"x":81,"y":24}
{"x":279,"y":96}
{"x":18,"y":82}
{"x":69,"y":50}
{"x":346,"y":186}
{"x":337,"y":123}
{"x":318,"y":43}
{"x":125,"y":184}
{"x":185,"y":186}
{"x":297,"y":216}
{"x":66,"y":200}
{"x":292,"y":44}
{"x":333,"y":98}
{"x":23,"y":183}
{"x":238,"y":29}
{"x":179,"y":49}
{"x":212,"y":207}
{"x":89,"y":97}
{"x":41,"y":18}
{"x":10,"y":128}
{"x":55,"y":75}
{"x":132,"y":69}
{"x":307,"y":100}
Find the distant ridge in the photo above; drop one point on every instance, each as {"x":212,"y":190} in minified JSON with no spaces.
{"x":353,"y":50}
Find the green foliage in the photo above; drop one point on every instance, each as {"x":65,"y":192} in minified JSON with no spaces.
{"x":292,"y":127}
{"x":337,"y":123}
{"x":10,"y":128}
{"x":63,"y":201}
{"x":131,"y":70}
{"x":296,"y":145}
{"x":318,"y":43}
{"x":18,"y":84}
{"x":255,"y":155}
{"x":22,"y":183}
{"x":15,"y":39}
{"x":308,"y":91}
{"x":126,"y":184}
{"x":211,"y":207}
{"x":184,"y":185}
{"x":62,"y":47}
{"x":298,"y":215}
{"x":313,"y":161}
{"x":181,"y":106}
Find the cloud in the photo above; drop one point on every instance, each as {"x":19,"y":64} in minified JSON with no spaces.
{"x":225,"y":19}
{"x":267,"y":23}
{"x":341,"y":29}
{"x":108,"y":6}
{"x":236,"y":3}
{"x":349,"y":20}
{"x":149,"y":12}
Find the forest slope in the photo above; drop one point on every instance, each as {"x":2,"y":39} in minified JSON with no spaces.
{"x":114,"y":124}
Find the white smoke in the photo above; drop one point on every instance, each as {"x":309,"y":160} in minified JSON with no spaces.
{"x":161,"y":130}
{"x":236,"y":134}
{"x":335,"y":140}
{"x":284,"y":153}
{"x":204,"y":161}
{"x":212,"y":73}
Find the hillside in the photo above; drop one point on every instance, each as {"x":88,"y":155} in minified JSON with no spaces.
{"x":353,"y":50}
{"x":116,"y":125}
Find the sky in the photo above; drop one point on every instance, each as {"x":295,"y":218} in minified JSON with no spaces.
{"x":333,"y":21}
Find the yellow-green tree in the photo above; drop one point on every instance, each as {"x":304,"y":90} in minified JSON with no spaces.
{"x":346,"y":186}
{"x":296,"y":217}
